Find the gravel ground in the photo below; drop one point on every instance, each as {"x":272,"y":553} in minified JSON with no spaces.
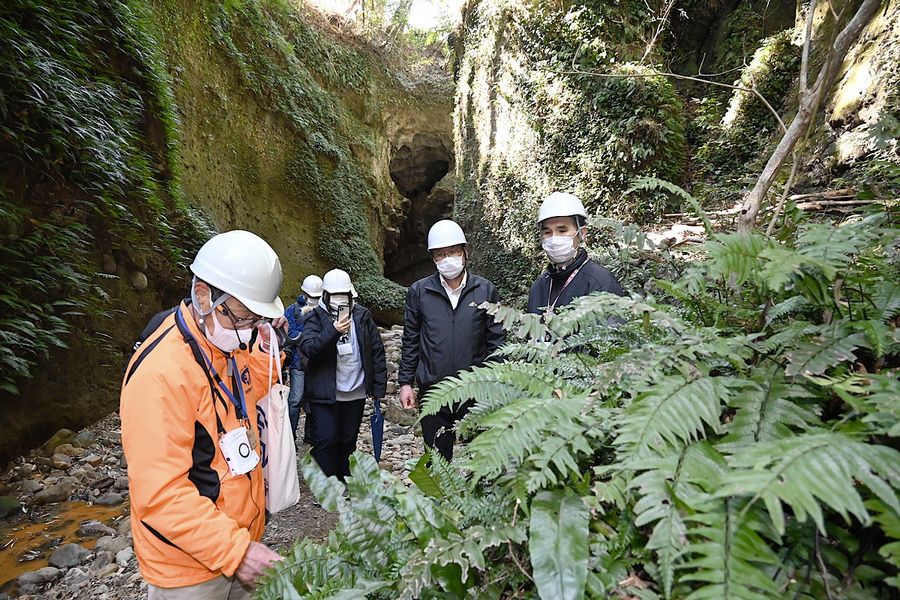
{"x":66,"y":534}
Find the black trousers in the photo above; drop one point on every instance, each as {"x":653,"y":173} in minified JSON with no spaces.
{"x":444,"y":422}
{"x":335,"y":428}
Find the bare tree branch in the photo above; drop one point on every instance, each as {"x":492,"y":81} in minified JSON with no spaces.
{"x":804,"y":58}
{"x":805,"y":113}
{"x":784,"y":193}
{"x":664,"y":20}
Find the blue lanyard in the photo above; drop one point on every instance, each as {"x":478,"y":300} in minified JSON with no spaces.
{"x":240,"y":403}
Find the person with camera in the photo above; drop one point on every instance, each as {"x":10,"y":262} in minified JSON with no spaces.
{"x":345,"y":365}
{"x":189,"y":431}
{"x":444,"y":331}
{"x":311,"y":291}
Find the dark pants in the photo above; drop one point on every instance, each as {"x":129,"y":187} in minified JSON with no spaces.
{"x":335,"y":428}
{"x":307,"y":424}
{"x":445,"y":420}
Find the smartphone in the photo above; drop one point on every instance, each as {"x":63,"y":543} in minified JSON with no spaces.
{"x":343,"y":313}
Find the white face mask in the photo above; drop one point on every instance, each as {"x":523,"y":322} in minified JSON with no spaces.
{"x":223,"y":338}
{"x":336,"y":302}
{"x":226,"y":339}
{"x":450,"y":267}
{"x":559,"y":248}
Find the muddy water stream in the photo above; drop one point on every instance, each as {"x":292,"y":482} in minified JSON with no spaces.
{"x":27,"y":543}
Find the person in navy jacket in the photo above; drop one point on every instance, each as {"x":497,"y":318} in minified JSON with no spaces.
{"x":562,"y":221}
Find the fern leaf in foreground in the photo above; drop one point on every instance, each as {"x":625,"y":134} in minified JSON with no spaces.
{"x":672,"y":411}
{"x":729,"y":556}
{"x":812,"y":469}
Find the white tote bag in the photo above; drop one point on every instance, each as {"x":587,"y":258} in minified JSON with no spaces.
{"x":277,"y":449}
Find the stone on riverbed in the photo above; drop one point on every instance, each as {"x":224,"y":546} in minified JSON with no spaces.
{"x":68,"y":556}
{"x":9,"y":506}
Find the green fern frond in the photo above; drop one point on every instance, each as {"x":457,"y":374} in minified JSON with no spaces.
{"x":786,"y":338}
{"x":591,"y":311}
{"x":886,"y":299}
{"x":654,"y":183}
{"x":664,"y":487}
{"x":871,"y":396}
{"x":307,"y":568}
{"x":878,"y":335}
{"x":558,"y":458}
{"x":428,"y":567}
{"x":735,"y":255}
{"x":673,"y":411}
{"x":769,"y":409}
{"x":517,"y":430}
{"x":821,"y":352}
{"x":729,"y":556}
{"x":515,"y":322}
{"x":791,"y":306}
{"x":814,"y":469}
{"x":833,"y":247}
{"x":492,"y":386}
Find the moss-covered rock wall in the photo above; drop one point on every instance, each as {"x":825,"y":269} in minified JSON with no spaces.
{"x":557,"y":96}
{"x":131,"y":131}
{"x":531,"y":119}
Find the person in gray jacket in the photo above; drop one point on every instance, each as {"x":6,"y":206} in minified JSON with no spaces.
{"x":445,"y":332}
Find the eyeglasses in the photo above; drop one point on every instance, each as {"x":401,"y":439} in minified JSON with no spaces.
{"x":442,"y":254}
{"x":242,"y":322}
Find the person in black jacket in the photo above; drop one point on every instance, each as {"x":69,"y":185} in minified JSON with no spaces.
{"x":345,"y":365}
{"x":563,"y":224}
{"x":444,"y":332}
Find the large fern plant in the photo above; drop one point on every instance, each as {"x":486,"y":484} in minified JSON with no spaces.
{"x":736,"y":438}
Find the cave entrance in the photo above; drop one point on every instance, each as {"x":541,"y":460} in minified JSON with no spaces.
{"x":419,"y":170}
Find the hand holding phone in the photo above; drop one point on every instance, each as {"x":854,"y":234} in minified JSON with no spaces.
{"x":343,"y":320}
{"x":343,"y":313}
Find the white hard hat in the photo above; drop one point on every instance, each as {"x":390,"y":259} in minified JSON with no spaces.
{"x":444,"y":234}
{"x":245,"y":267}
{"x":561,"y":204}
{"x":312,"y":286}
{"x":353,"y":291}
{"x":337,"y":281}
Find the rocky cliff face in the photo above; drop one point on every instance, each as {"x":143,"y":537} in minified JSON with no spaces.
{"x":532,"y":116}
{"x":131,"y":131}
{"x":529,"y":121}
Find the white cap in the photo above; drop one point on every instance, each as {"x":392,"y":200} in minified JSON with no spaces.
{"x":561,"y":204}
{"x":444,"y":234}
{"x":337,"y":281}
{"x":245,"y":267}
{"x":312,"y":286}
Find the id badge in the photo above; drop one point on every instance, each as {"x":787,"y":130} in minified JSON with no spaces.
{"x":238,"y":451}
{"x":345,"y":349}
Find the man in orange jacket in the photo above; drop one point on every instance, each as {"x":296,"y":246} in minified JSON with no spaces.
{"x":188,"y":409}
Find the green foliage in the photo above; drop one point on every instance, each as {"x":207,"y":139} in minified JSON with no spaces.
{"x":734,"y":436}
{"x":558,"y":544}
{"x":748,"y":125}
{"x":82,"y":82}
{"x":526,"y":71}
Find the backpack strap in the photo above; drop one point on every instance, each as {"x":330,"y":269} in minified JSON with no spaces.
{"x":146,"y":352}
